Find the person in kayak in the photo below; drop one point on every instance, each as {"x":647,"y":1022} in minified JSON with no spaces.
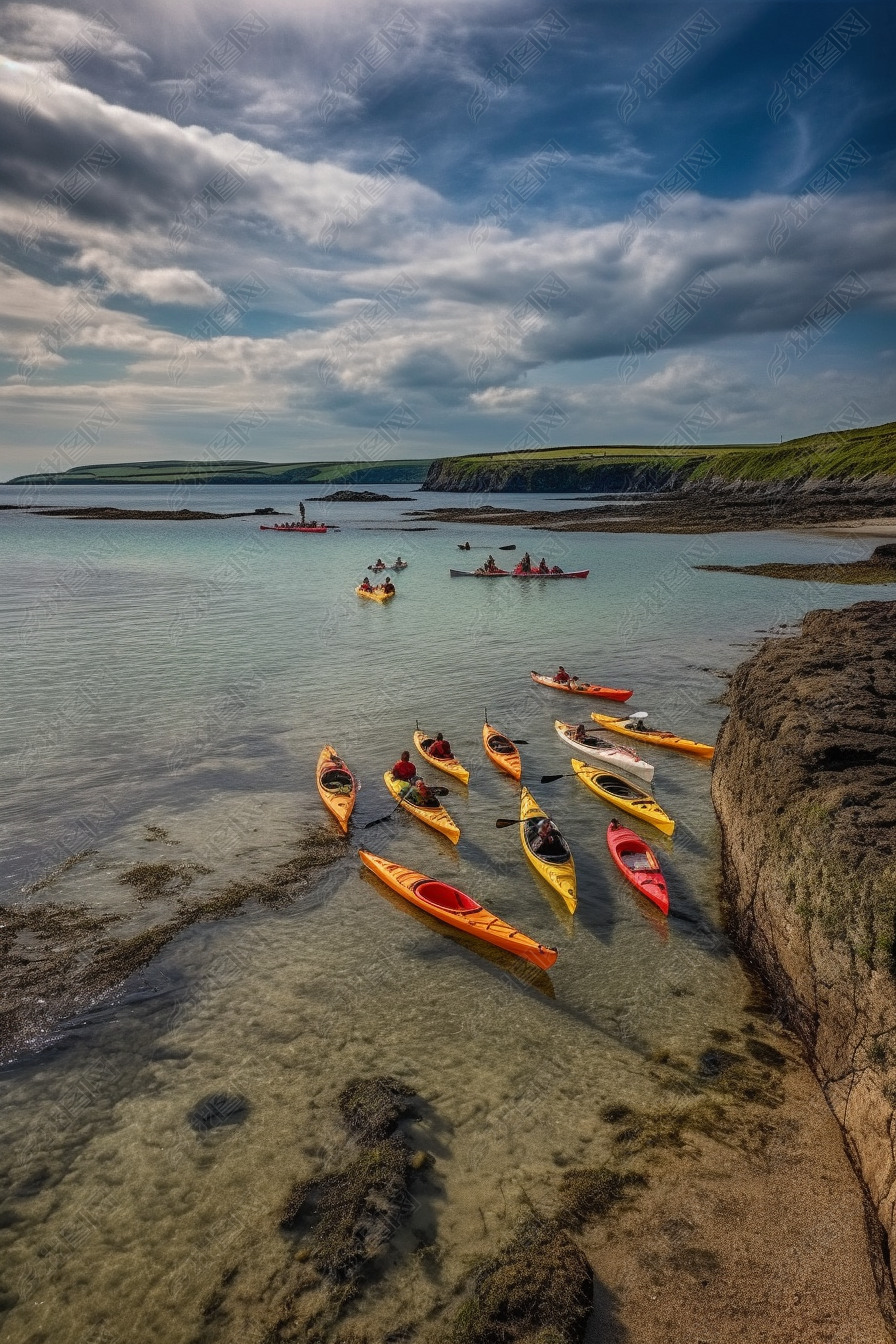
{"x":562,"y":676}
{"x":555,"y":569}
{"x":404,"y":768}
{"x":525,"y":565}
{"x":365,"y":586}
{"x":388,"y":586}
{"x":543,"y":567}
{"x":421,"y":794}
{"x":490,"y":565}
{"x":439,"y":748}
{"x":548,"y":840}
{"x":579,"y":733}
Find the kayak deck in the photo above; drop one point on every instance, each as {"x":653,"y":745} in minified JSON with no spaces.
{"x":638,"y":864}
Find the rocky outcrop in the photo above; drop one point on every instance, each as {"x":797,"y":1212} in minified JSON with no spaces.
{"x":803,"y":785}
{"x":519,"y":475}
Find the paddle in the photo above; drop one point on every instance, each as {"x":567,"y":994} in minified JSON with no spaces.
{"x":434,"y":788}
{"x":505,"y":821}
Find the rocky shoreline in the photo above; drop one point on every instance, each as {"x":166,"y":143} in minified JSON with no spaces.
{"x":878,"y":567}
{"x":803,"y":785}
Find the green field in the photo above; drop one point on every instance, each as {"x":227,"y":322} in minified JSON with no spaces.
{"x":173,"y":472}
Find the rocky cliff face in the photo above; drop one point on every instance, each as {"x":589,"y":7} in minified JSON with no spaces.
{"x":805,"y":788}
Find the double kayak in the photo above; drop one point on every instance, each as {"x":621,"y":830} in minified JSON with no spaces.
{"x":636,"y":861}
{"x":336,"y":785}
{"x":374,"y":595}
{"x":655,"y":736}
{"x":289,"y":527}
{"x":453,"y":906}
{"x":512,"y":574}
{"x":582,"y":688}
{"x":603,"y":749}
{"x":502,"y":751}
{"x":623,"y":794}
{"x":431,"y":814}
{"x":450,"y":764}
{"x":555,"y":866}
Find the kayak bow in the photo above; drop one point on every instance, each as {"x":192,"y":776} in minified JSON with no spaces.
{"x":336,"y":785}
{"x":434,"y":815}
{"x":502,"y":751}
{"x":622,"y":793}
{"x":557,"y":870}
{"x":451,"y":765}
{"x":453,"y":906}
{"x":636,"y":861}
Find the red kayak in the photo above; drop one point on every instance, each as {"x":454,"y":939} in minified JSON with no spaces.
{"x":636,"y":860}
{"x":582,"y":688}
{"x":291,"y":527}
{"x":536,"y":574}
{"x":506,"y":574}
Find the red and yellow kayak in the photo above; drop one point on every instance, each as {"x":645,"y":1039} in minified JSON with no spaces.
{"x":451,"y":765}
{"x":336,"y":785}
{"x":502,"y":751}
{"x":636,"y":861}
{"x":655,"y":736}
{"x":434,"y":815}
{"x":456,"y":908}
{"x":582,"y":688}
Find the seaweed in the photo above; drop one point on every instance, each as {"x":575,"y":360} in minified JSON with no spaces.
{"x":152,"y":880}
{"x":589,"y":1193}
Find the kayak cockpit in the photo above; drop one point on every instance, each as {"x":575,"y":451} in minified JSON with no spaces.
{"x":618,"y":788}
{"x":502,"y":745}
{"x":638,"y":861}
{"x":557,"y":850}
{"x":336,"y":780}
{"x":446,"y":897}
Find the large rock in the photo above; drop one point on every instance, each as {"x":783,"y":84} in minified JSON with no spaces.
{"x":803,"y":785}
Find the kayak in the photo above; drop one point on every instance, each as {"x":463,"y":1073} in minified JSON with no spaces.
{"x":404,"y":564}
{"x":655,"y":736}
{"x":377,"y":569}
{"x":507,"y":574}
{"x":502,"y":751}
{"x":619,"y":792}
{"x":375,"y":594}
{"x":453,"y":906}
{"x":558,"y":870}
{"x":433,"y":815}
{"x":603,"y":749}
{"x":336,"y":785}
{"x":291,"y":527}
{"x":536,"y":574}
{"x":636,"y":860}
{"x":451,"y":765}
{"x":582,"y":688}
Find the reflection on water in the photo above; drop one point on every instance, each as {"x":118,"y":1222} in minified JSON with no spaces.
{"x":185,"y":676}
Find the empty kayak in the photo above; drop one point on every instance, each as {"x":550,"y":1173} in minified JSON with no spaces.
{"x":582,"y":688}
{"x":453,"y":906}
{"x":604,"y":749}
{"x":432,"y":814}
{"x":636,"y":860}
{"x":375,"y":594}
{"x":451,"y":765}
{"x":336,"y":785}
{"x":502,"y":751}
{"x":655,"y":736}
{"x":622,"y":793}
{"x":555,"y":865}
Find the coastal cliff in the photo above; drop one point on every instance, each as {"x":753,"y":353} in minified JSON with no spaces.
{"x":803,"y":785}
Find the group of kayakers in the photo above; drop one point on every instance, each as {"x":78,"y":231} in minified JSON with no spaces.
{"x":379,"y":564}
{"x":387,"y":586}
{"x":525,"y":566}
{"x":405,"y":771}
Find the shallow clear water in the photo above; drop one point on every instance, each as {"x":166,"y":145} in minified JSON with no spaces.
{"x":185,"y":675}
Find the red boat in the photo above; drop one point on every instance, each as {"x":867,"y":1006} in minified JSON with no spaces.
{"x":506,"y":574}
{"x":636,"y":860}
{"x":289,"y":527}
{"x":582,"y":688}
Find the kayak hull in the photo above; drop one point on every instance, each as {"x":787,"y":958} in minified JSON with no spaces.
{"x":451,"y":766}
{"x":621,"y":758}
{"x":655,"y":737}
{"x":508,"y":761}
{"x":559,"y":875}
{"x":339,"y":805}
{"x":437,"y":818}
{"x":586,"y":688}
{"x":644,"y":806}
{"x":375,"y":595}
{"x":468,"y":915}
{"x":648,"y":880}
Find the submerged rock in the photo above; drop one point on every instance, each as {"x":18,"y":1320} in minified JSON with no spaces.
{"x":218,"y":1109}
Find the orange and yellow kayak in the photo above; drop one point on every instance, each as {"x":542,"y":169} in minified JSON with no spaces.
{"x":451,"y":766}
{"x":434,"y":815}
{"x":502,"y":751}
{"x":336,"y":785}
{"x":456,"y":908}
{"x":655,"y":736}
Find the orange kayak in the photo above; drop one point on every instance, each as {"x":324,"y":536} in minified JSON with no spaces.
{"x":502,"y":751}
{"x":336,"y":785}
{"x":582,"y":688}
{"x":450,"y":764}
{"x":657,"y":737}
{"x":456,"y":908}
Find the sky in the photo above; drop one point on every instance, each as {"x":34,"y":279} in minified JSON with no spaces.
{"x":368,"y":231}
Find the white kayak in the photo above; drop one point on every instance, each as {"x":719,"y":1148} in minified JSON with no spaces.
{"x":604,"y":749}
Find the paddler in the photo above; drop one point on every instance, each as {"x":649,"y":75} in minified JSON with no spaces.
{"x":525,"y":565}
{"x":421,"y":794}
{"x":543,"y":567}
{"x":365,"y":585}
{"x":404,"y":768}
{"x":548,"y":839}
{"x":439,"y":748}
{"x":388,"y":586}
{"x":490,"y":565}
{"x":562,"y":676}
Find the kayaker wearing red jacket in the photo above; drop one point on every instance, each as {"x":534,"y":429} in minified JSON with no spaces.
{"x":365,"y":585}
{"x":562,"y":675}
{"x":440,"y":748}
{"x":404,"y":768}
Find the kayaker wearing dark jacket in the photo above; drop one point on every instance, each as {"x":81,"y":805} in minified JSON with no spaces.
{"x":440,"y":748}
{"x":548,"y":839}
{"x":388,"y":586}
{"x":404,"y":768}
{"x":562,"y":675}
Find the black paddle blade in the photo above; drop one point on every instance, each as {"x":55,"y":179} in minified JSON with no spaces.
{"x":367,"y":825}
{"x":519,"y":741}
{"x":511,"y":547}
{"x":549,"y":779}
{"x":506,"y":821}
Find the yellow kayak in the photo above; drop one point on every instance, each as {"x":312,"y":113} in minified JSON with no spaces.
{"x":336,"y":785}
{"x":558,"y":870}
{"x":655,"y":736}
{"x":434,"y":815}
{"x":623,"y":794}
{"x":451,"y":765}
{"x":374,"y":595}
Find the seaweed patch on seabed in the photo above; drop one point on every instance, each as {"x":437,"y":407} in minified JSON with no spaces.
{"x":57,"y":959}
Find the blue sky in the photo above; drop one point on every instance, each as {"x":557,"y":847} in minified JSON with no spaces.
{"x":407,"y":230}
